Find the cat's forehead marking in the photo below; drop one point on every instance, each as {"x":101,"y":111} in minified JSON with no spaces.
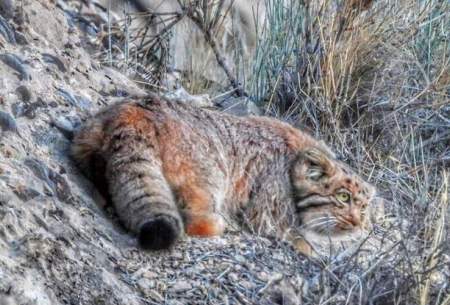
{"x":353,"y":183}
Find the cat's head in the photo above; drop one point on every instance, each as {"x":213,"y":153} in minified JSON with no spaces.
{"x":330,"y":199}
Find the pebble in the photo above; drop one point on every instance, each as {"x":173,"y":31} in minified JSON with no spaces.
{"x":55,"y":60}
{"x":119,"y":93}
{"x":285,"y":296}
{"x":27,"y":109}
{"x":7,"y":122}
{"x":17,"y":64}
{"x":6,"y":31}
{"x":77,"y":101}
{"x":150,"y":274}
{"x":177,"y":255}
{"x":145,"y":285}
{"x":154,"y":295}
{"x":34,"y":106}
{"x":181,"y":286}
{"x":263,"y":276}
{"x":17,"y":109}
{"x":56,"y":182}
{"x":61,"y":187}
{"x":68,"y":96}
{"x":233,"y":277}
{"x":4,"y":198}
{"x":174,"y":302}
{"x":7,"y":8}
{"x":88,"y":27}
{"x":39,"y":169}
{"x":25,"y":193}
{"x":24,"y":93}
{"x":247,"y":285}
{"x":239,"y":258}
{"x":20,"y":38}
{"x":65,"y":126}
{"x":83,"y":102}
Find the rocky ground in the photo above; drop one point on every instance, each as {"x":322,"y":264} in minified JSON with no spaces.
{"x":58,"y":245}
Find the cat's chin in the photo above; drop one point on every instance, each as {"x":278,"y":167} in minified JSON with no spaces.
{"x":335,"y":236}
{"x":321,"y":244}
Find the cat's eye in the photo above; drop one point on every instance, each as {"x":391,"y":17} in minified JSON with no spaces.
{"x":343,"y":197}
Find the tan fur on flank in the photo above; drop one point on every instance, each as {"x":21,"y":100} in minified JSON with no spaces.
{"x":173,"y":167}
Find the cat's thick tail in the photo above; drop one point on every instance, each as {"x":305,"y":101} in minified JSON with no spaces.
{"x":141,"y":196}
{"x":139,"y":191}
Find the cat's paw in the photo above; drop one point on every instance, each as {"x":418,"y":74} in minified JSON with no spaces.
{"x":204,"y":225}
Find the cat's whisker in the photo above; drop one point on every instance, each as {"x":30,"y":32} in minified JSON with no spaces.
{"x":325,"y":224}
{"x":314,"y":224}
{"x":325,"y":228}
{"x":315,"y":220}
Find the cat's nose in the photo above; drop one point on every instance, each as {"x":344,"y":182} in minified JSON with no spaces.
{"x":354,"y":218}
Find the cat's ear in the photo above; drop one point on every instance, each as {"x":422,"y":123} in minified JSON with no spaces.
{"x":313,"y":164}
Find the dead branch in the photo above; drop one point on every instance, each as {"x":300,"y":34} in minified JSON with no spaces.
{"x":198,"y":13}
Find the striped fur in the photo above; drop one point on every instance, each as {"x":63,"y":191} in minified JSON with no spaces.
{"x":172,"y":168}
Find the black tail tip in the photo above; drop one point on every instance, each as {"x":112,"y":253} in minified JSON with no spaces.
{"x":159,"y":233}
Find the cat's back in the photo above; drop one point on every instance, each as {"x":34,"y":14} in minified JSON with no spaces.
{"x":163,"y":115}
{"x":190,"y":130}
{"x":161,"y":124}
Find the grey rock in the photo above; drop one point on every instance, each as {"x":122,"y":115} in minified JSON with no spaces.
{"x":56,"y":182}
{"x":7,"y":31}
{"x":39,"y":169}
{"x":282,"y":293}
{"x":181,"y":286}
{"x":25,"y":107}
{"x":25,"y":193}
{"x":24,"y":93}
{"x":5,"y":197}
{"x":20,"y":38}
{"x":7,"y":300}
{"x":77,"y":101}
{"x":156,"y":296}
{"x":174,"y":302}
{"x":61,"y":187}
{"x":88,"y":27}
{"x":53,"y":104}
{"x":146,"y":285}
{"x":18,"y":109}
{"x":7,"y":122}
{"x":65,"y":126}
{"x":7,"y":8}
{"x":233,"y":277}
{"x":55,"y":60}
{"x":83,"y":102}
{"x":17,"y":64}
{"x":31,"y":109}
{"x":68,"y":96}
